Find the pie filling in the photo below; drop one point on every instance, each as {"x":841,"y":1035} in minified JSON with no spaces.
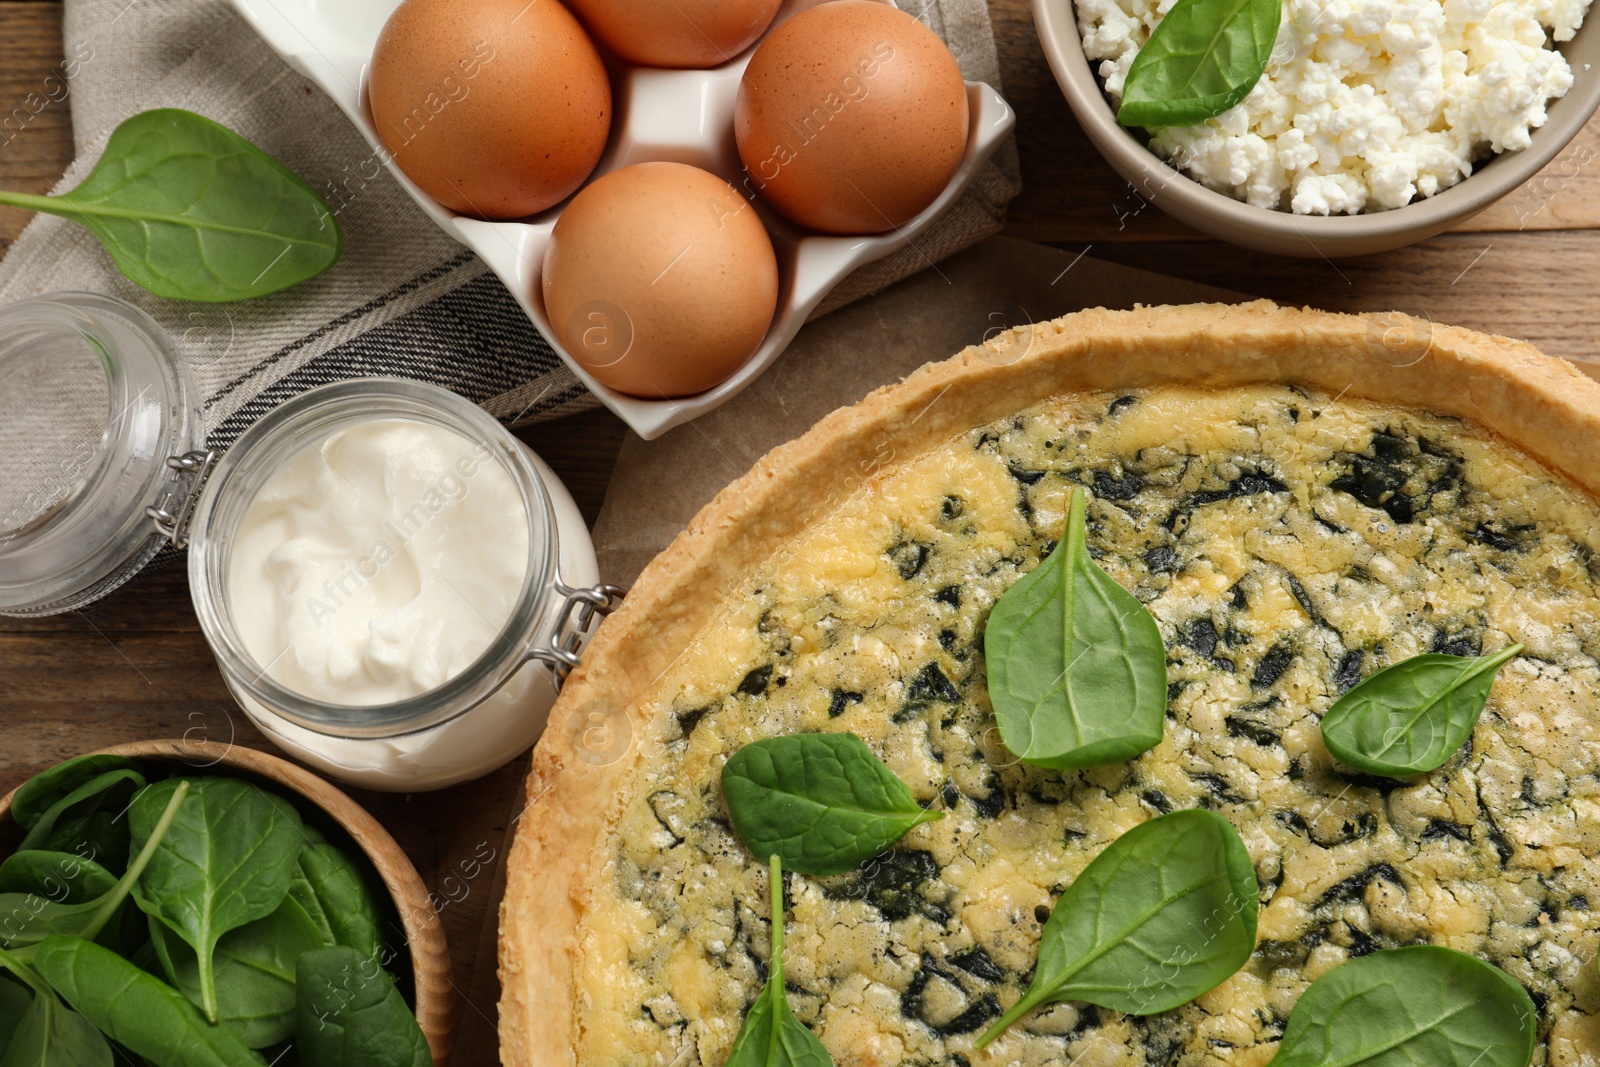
{"x":1289,"y":544}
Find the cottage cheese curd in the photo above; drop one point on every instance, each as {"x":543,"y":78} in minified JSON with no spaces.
{"x":1366,"y":104}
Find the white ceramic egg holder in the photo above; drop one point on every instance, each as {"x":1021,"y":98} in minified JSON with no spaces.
{"x":679,"y":116}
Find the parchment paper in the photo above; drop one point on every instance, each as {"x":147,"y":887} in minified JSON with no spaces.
{"x":658,"y":486}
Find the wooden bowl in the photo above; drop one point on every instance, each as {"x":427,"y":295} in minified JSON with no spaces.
{"x":1279,"y":232}
{"x":430,"y":959}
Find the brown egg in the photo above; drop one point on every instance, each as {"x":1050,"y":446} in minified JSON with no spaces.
{"x":660,"y":279}
{"x":495,"y":108}
{"x":677,"y":33}
{"x":851,"y":118}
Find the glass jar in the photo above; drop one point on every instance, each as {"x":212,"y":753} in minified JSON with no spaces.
{"x":101,"y":428}
{"x":480,"y":718}
{"x":106,"y":467}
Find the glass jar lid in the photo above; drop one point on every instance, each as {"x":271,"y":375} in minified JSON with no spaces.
{"x":98,"y":428}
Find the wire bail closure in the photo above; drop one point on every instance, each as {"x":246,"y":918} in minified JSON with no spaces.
{"x":175,"y":527}
{"x":582,"y":610}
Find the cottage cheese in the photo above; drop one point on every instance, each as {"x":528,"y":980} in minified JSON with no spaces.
{"x":1366,"y":104}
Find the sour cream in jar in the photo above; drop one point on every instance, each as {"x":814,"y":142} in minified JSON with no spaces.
{"x":383,"y":572}
{"x":379,"y":562}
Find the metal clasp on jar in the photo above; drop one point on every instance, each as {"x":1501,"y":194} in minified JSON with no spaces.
{"x":174,"y":526}
{"x":583,"y":608}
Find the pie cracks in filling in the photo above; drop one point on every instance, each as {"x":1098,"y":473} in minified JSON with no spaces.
{"x":1288,"y":545}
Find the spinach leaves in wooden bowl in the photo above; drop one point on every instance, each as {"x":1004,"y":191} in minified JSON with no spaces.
{"x":190,"y":921}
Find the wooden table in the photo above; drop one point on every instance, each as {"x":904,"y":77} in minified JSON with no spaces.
{"x":135,"y":665}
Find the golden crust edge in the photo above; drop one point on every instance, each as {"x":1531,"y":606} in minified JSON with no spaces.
{"x":1538,"y":403}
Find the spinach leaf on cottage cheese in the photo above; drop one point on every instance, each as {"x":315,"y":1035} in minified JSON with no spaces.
{"x":1203,"y":57}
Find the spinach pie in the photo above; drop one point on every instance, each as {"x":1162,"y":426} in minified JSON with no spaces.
{"x":1299,"y":499}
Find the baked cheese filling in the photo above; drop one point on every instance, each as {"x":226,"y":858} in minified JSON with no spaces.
{"x":1288,"y":544}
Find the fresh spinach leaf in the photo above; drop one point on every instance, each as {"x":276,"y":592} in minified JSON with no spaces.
{"x":337,"y":893}
{"x":301,"y":893}
{"x":26,"y":919}
{"x":101,"y":835}
{"x":254,"y":969}
{"x":1077,"y":669}
{"x":23,"y":971}
{"x":59,"y":876}
{"x":144,"y":956}
{"x":47,"y":1034}
{"x":14,"y":1001}
{"x":35,"y":796}
{"x":1412,"y":716}
{"x":227,"y":860}
{"x":823,"y":803}
{"x":1420,"y":1006}
{"x":282,"y":1056}
{"x":1165,"y":913}
{"x":349,"y":1014}
{"x":190,"y":210}
{"x":52,"y":1035}
{"x":771,"y":1036}
{"x":137,"y":1010}
{"x":1203,"y":57}
{"x":89,"y":820}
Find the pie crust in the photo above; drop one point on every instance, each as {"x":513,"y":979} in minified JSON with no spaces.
{"x":581,"y":780}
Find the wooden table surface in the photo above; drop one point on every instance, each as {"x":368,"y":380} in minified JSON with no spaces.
{"x":135,"y":666}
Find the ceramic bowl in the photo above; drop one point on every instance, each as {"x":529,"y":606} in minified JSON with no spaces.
{"x":1281,"y":232}
{"x":678,"y":116}
{"x":430,"y":960}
